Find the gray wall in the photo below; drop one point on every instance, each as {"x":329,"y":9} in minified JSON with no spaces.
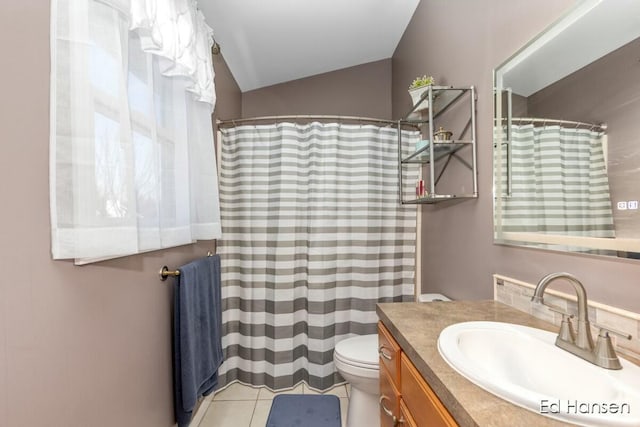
{"x":363,"y":90}
{"x":459,"y":256}
{"x":229,"y":103}
{"x":606,"y":91}
{"x":79,"y":346}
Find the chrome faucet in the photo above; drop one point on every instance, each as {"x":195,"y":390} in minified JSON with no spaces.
{"x":581,"y":345}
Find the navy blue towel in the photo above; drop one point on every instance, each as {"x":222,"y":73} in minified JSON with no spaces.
{"x":197,"y":327}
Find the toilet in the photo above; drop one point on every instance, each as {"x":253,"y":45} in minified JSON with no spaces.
{"x":356,"y":359}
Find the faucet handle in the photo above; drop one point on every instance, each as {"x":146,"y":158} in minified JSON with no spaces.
{"x":604,"y":352}
{"x":557,"y":309}
{"x":566,"y":332}
{"x":604,"y":331}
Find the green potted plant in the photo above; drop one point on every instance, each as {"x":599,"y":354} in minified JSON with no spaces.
{"x":418,"y":87}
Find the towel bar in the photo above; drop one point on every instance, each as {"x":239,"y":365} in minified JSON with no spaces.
{"x":165,"y":272}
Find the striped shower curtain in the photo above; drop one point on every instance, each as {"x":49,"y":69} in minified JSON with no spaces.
{"x":313,"y":238}
{"x":559,"y":182}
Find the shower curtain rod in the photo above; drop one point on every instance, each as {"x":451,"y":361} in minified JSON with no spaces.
{"x":532,"y":120}
{"x":234,"y":122}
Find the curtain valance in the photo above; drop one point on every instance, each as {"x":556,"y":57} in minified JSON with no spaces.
{"x":176,"y":31}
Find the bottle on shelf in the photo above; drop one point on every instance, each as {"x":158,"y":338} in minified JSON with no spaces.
{"x":420,"y":191}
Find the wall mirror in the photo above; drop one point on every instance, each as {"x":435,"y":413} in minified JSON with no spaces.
{"x":567,"y":135}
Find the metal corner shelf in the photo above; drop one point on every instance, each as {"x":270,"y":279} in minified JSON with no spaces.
{"x":440,"y":97}
{"x":440,"y":150}
{"x":435,"y":101}
{"x":437,"y":198}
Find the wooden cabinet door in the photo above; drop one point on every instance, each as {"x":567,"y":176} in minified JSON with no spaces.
{"x":389,"y":353}
{"x":423,"y":404}
{"x":389,"y":400}
{"x":406,"y":420}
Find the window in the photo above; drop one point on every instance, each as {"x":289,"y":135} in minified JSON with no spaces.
{"x":131,"y":148}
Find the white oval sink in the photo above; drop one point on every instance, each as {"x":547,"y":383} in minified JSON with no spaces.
{"x":523,"y":366}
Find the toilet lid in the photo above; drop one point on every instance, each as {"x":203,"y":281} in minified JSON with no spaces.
{"x":361,"y":350}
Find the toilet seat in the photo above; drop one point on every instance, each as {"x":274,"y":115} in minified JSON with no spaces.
{"x":361,"y":351}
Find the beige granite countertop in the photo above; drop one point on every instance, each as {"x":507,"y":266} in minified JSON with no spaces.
{"x":416,"y":327}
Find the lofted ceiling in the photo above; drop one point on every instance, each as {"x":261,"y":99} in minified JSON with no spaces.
{"x":266,"y":42}
{"x":593,"y":30}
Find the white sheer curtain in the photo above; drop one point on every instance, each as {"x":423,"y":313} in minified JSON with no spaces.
{"x":132,"y":163}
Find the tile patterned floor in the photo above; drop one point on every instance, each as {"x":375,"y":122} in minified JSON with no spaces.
{"x":243,"y":406}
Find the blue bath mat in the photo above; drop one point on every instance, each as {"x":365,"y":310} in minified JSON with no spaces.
{"x":304,"y":410}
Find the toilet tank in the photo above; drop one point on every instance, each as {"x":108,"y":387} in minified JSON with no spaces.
{"x":432,"y":297}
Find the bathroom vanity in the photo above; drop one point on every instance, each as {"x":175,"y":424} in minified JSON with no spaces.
{"x":418,"y":388}
{"x":410,"y":402}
